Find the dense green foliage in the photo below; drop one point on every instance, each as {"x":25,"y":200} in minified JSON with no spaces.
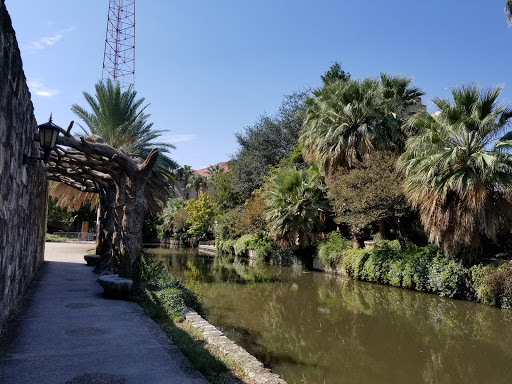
{"x":224,"y":193}
{"x":335,"y":73}
{"x":458,"y":182}
{"x":171,"y":208}
{"x":296,"y":205}
{"x":265,"y":143}
{"x":201,"y":216}
{"x":370,"y":192}
{"x":252,"y":217}
{"x":330,"y":250}
{"x":347,"y":120}
{"x":156,"y":285}
{"x":59,"y":218}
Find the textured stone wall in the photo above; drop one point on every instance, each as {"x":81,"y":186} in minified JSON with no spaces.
{"x":23,"y":188}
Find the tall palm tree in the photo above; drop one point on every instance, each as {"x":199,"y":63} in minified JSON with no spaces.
{"x":347,"y":120}
{"x":197,"y":182}
{"x":214,"y":170}
{"x":118,"y":118}
{"x":458,"y":181}
{"x":296,"y":205}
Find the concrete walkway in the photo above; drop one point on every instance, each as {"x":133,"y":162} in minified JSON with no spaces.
{"x":69,"y":333}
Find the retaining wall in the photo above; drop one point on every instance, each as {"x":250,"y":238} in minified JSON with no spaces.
{"x":23,"y":188}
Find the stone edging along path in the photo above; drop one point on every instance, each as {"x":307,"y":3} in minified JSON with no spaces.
{"x":253,"y":368}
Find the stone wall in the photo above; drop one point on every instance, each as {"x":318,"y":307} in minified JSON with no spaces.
{"x":23,"y":188}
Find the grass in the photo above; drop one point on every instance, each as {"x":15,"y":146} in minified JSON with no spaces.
{"x":164,"y":299}
{"x":57,"y":238}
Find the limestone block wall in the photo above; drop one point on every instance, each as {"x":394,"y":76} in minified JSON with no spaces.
{"x":23,"y":188}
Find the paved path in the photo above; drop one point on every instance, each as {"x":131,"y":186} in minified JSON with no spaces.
{"x":68,"y":333}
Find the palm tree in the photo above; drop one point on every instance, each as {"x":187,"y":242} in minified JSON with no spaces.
{"x":197,"y":182}
{"x":458,"y":181}
{"x":347,"y":120}
{"x":296,"y":205}
{"x":118,"y":118}
{"x":214,"y":170}
{"x":508,"y":11}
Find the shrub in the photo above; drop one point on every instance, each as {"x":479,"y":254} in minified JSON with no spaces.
{"x":264,"y":247}
{"x":226,"y":224}
{"x":330,"y":251}
{"x":375,"y":268}
{"x":161,"y":290}
{"x":395,"y":272}
{"x":252,"y":218}
{"x":244,"y":243}
{"x":493,"y":285}
{"x":353,"y":262}
{"x":448,"y":277}
{"x":225,"y":246}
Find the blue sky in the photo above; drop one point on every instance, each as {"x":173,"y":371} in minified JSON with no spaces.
{"x":210,"y":68}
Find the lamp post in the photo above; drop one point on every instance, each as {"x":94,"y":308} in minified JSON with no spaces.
{"x":48,"y":133}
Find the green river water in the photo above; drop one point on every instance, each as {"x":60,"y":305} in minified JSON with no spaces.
{"x":313,"y":327}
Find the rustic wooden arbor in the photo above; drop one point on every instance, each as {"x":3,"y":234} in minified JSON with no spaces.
{"x":120,"y":179}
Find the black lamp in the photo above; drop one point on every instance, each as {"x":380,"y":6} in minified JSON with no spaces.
{"x":48,"y":133}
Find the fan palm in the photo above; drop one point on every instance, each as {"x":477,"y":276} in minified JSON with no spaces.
{"x":456,"y":179}
{"x":296,"y":205}
{"x":118,"y":118}
{"x":347,"y":120}
{"x":197,"y":182}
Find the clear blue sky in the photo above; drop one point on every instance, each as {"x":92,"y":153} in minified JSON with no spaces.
{"x":210,"y":68}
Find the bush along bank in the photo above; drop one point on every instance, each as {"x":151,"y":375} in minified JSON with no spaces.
{"x":424,"y":269}
{"x":165,"y":299}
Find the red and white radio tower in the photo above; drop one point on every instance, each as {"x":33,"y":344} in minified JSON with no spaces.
{"x":119,"y":57}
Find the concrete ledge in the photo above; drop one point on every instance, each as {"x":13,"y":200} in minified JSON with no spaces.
{"x":253,"y":368}
{"x":92,"y":260}
{"x":115,"y":287}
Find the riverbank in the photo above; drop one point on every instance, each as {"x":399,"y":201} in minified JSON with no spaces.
{"x":172,"y":306}
{"x":317,"y":327}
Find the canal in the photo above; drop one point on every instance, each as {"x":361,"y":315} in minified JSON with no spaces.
{"x":317,"y":328}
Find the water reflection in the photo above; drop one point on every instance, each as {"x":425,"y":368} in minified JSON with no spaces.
{"x":318,"y":328}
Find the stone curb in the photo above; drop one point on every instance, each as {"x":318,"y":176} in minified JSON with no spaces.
{"x":253,"y":368}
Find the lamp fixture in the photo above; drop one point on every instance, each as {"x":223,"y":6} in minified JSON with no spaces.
{"x":48,"y":133}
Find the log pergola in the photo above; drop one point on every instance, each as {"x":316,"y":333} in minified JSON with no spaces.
{"x":119,"y":179}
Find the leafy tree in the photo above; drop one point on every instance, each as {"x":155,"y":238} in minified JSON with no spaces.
{"x":59,"y":218}
{"x":201,"y":216}
{"x":369,"y":193}
{"x":252,"y":218}
{"x":224,"y":194}
{"x":265,"y":143}
{"x":459,"y":183}
{"x":508,"y":10}
{"x":296,"y":205}
{"x":335,"y":73}
{"x":181,"y":224}
{"x":347,"y":120}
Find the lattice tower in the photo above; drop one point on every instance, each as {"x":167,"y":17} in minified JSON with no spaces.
{"x":119,"y":57}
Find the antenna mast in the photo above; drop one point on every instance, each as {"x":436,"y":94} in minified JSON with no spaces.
{"x":119,"y":56}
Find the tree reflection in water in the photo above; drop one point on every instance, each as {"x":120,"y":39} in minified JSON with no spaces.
{"x":323,"y":328}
